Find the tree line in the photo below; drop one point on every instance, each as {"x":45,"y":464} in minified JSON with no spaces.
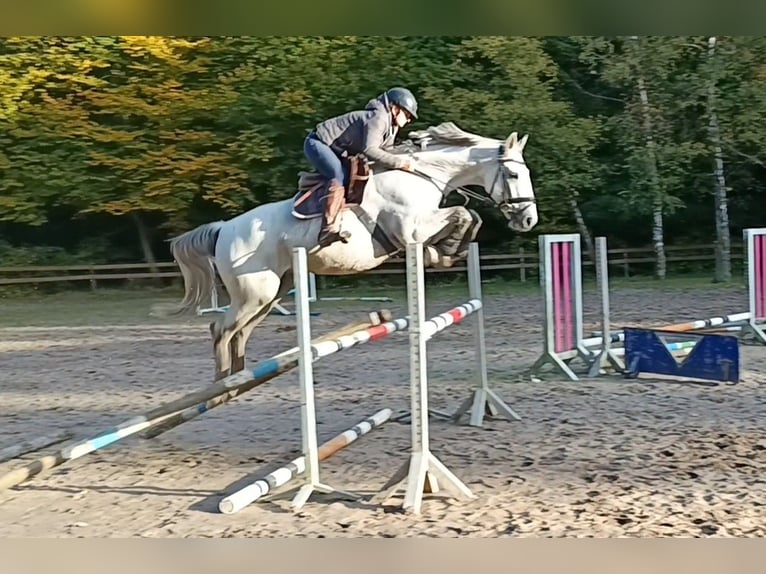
{"x":110,"y":145}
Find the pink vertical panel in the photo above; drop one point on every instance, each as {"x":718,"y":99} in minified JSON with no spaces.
{"x":567,"y":295}
{"x":759,"y":245}
{"x":557,"y":301}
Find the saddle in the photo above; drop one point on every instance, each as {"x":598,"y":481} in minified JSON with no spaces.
{"x":308,"y":203}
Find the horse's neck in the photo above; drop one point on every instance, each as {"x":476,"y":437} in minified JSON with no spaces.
{"x":453,"y":164}
{"x":447,"y":166}
{"x":397,"y":190}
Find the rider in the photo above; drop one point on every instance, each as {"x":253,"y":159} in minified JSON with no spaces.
{"x":368,"y":132}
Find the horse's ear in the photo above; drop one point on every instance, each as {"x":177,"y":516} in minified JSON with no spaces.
{"x":511,"y":141}
{"x":523,"y":142}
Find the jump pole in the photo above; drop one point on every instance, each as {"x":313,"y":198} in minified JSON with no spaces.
{"x":355,"y":299}
{"x":263,"y":486}
{"x":749,"y":321}
{"x":423,"y":467}
{"x":214,"y":306}
{"x":735,"y":319}
{"x":278,"y":308}
{"x":237,"y":384}
{"x":374,"y":318}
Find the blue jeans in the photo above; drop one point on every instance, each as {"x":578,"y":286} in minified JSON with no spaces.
{"x":321,"y":156}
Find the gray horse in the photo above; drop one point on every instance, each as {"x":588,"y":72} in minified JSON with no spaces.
{"x":252,"y":252}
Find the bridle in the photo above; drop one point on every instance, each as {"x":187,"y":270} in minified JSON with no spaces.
{"x":503,"y":172}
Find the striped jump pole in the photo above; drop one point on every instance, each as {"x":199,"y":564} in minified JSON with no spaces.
{"x":236,"y":384}
{"x":561,"y":282}
{"x":423,"y":467}
{"x":263,"y":486}
{"x":712,"y":322}
{"x":278,"y":308}
{"x":724,"y":329}
{"x":750,"y":321}
{"x":755,"y":244}
{"x":727,"y":323}
{"x":679,"y":349}
{"x":374,"y":318}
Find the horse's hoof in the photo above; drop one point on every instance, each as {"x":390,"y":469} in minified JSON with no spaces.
{"x":446,"y":261}
{"x":430,"y":256}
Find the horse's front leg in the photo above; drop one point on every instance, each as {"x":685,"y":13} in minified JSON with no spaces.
{"x":459,"y":226}
{"x":470,"y":235}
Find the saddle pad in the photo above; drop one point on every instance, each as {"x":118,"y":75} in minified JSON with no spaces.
{"x":310,"y":204}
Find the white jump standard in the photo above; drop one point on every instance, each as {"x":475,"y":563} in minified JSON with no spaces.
{"x":308,"y":409}
{"x":606,"y":354}
{"x":483,"y":400}
{"x":423,"y":466}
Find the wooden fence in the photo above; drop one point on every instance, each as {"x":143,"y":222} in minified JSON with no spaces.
{"x":523,"y":264}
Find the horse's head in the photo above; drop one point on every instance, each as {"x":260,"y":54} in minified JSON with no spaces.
{"x":508,"y":183}
{"x":471,"y":159}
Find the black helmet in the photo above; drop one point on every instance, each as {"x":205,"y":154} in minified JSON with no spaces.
{"x":403,"y":98}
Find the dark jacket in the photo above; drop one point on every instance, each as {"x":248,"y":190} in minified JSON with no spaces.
{"x":366,"y":131}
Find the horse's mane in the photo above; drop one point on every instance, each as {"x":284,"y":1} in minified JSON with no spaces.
{"x":446,"y":133}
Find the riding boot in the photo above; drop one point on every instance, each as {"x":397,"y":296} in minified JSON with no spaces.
{"x":334,"y":202}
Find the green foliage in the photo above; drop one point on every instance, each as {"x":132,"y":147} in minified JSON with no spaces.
{"x":184,"y":130}
{"x":508,"y":84}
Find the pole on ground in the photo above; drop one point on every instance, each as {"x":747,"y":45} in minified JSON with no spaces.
{"x":281,"y":476}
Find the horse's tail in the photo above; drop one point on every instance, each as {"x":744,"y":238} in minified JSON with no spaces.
{"x":194,"y":251}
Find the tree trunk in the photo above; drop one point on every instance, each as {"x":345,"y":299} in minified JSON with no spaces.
{"x":146,"y":245}
{"x":658,"y":233}
{"x":723,"y":238}
{"x":583,"y":229}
